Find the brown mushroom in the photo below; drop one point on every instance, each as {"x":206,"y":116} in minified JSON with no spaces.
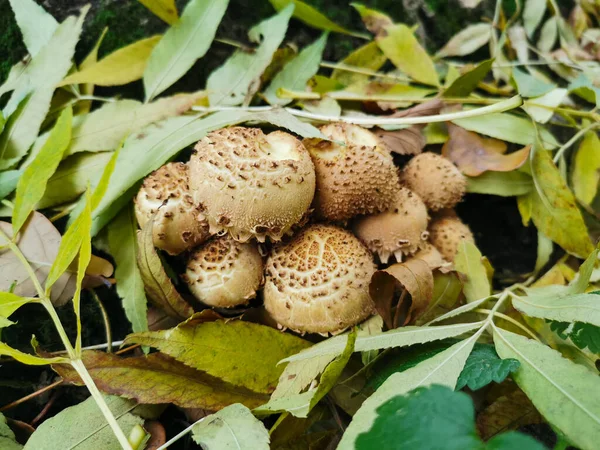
{"x":446,"y":232}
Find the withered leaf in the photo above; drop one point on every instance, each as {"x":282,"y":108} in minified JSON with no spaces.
{"x":158,"y":378}
{"x":474,"y":155}
{"x":415,"y":276}
{"x":158,"y":285}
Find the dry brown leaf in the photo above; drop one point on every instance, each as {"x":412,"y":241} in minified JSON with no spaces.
{"x":158,"y":435}
{"x":474,"y":155}
{"x":415,"y":276}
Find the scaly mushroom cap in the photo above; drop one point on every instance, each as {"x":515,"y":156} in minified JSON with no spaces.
{"x":319,"y":281}
{"x":251,"y":184}
{"x":431,"y":256}
{"x":224,"y":272}
{"x":402,"y":230}
{"x":446,"y":232}
{"x":352,"y":179}
{"x":435,"y":179}
{"x":176,"y":226}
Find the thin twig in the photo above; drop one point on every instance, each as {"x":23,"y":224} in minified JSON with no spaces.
{"x":105,"y":319}
{"x":32,"y":395}
{"x":45,"y":409}
{"x":573,"y":140}
{"x":179,"y":435}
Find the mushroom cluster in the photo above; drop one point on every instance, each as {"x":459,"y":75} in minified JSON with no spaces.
{"x":301,"y":224}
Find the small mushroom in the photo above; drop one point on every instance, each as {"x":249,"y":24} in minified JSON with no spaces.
{"x":319,"y":281}
{"x":352,"y":179}
{"x":250,"y":184}
{"x":431,"y":256}
{"x":225,"y":273}
{"x":446,"y":232}
{"x":435,"y":179}
{"x":402,"y":230}
{"x":176,"y":225}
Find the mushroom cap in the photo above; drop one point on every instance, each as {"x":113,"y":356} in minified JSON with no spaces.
{"x":176,"y":226}
{"x":402,"y":230}
{"x":224,"y":272}
{"x":352,"y":179}
{"x":446,"y":232}
{"x":251,"y":184}
{"x":431,"y":256}
{"x":319,"y":281}
{"x":435,"y":179}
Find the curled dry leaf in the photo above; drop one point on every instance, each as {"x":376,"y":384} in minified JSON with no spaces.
{"x":158,"y":378}
{"x":39,"y":241}
{"x":415,"y":276}
{"x":474,"y":155}
{"x":158,"y":435}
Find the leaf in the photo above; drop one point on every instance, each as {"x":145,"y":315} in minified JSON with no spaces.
{"x":415,"y":276}
{"x":505,"y":184}
{"x":156,"y":379}
{"x":32,"y":184}
{"x":405,"y":52}
{"x":541,"y":109}
{"x":446,"y":292}
{"x":8,"y":182}
{"x":7,"y":437}
{"x":484,"y":366}
{"x":530,"y":86}
{"x":241,"y":353}
{"x":468,"y":82}
{"x":586,"y":168}
{"x":148,"y":150}
{"x":507,"y":127}
{"x":123,"y":66}
{"x":444,"y":368}
{"x":36,"y":25}
{"x":533,"y":13}
{"x":299,"y":374}
{"x":130,"y":286}
{"x":369,"y":57}
{"x":9,"y":303}
{"x":370,"y":326}
{"x":474,"y":155}
{"x":297,"y":72}
{"x":584,"y":88}
{"x":565,"y":393}
{"x":234,"y":427}
{"x":83,"y":427}
{"x":236,"y":80}
{"x":311,"y":16}
{"x":165,"y":9}
{"x":460,"y":310}
{"x":583,"y":335}
{"x":548,"y":35}
{"x":400,"y":337}
{"x":570,"y":308}
{"x":84,"y":107}
{"x":469,"y":261}
{"x":183,"y":44}
{"x":28,"y":359}
{"x":157,"y":283}
{"x":467,"y":41}
{"x":554,"y":210}
{"x":46,"y":69}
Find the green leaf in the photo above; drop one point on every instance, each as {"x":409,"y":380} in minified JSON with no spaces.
{"x":130,"y":286}
{"x":297,"y":72}
{"x":120,"y":67}
{"x":234,"y":427}
{"x":369,"y":57}
{"x":444,"y":368}
{"x":583,"y":335}
{"x":530,"y":86}
{"x":183,"y":44}
{"x":400,"y":337}
{"x":83,"y":427}
{"x":586,"y":168}
{"x":37,"y":26}
{"x":9,"y":303}
{"x":563,"y":308}
{"x":157,"y":283}
{"x":299,"y":374}
{"x":541,"y":109}
{"x":8,"y":182}
{"x":312,"y":17}
{"x":513,"y":440}
{"x":484,"y":366}
{"x":402,"y":48}
{"x":533,"y":13}
{"x":460,"y":310}
{"x":7,"y":437}
{"x":156,"y":379}
{"x":548,"y":35}
{"x":236,"y":81}
{"x":446,"y":292}
{"x":467,"y":41}
{"x":554,"y":210}
{"x":32,"y":184}
{"x":241,"y":353}
{"x":566,"y":394}
{"x":44,"y":72}
{"x":505,"y":184}
{"x":28,"y":359}
{"x":469,"y":261}
{"x":584,"y":88}
{"x":507,"y":127}
{"x":467,"y":83}
{"x":165,"y":9}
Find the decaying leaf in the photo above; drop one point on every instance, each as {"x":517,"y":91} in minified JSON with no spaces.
{"x":467,"y":41}
{"x":474,"y":155}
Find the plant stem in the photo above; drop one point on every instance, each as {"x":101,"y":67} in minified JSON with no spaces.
{"x":106,"y":321}
{"x":108,"y":415}
{"x":361,"y":70}
{"x":508,"y":319}
{"x":179,"y":435}
{"x":559,"y":153}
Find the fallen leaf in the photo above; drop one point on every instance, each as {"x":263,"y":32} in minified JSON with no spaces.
{"x":158,"y":435}
{"x":36,"y":25}
{"x":165,"y":9}
{"x":530,"y":86}
{"x":586,"y":168}
{"x":505,"y":184}
{"x":474,"y":155}
{"x":468,"y":82}
{"x":541,"y":109}
{"x":447,"y":288}
{"x":533,"y":13}
{"x":157,"y":378}
{"x":467,"y":41}
{"x":376,"y":22}
{"x":470,"y":262}
{"x":7,"y":437}
{"x":369,"y":56}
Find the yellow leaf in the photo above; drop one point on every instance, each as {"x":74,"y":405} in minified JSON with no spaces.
{"x":164,"y":9}
{"x":28,"y":359}
{"x":88,"y":89}
{"x":120,"y":67}
{"x":586,"y":168}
